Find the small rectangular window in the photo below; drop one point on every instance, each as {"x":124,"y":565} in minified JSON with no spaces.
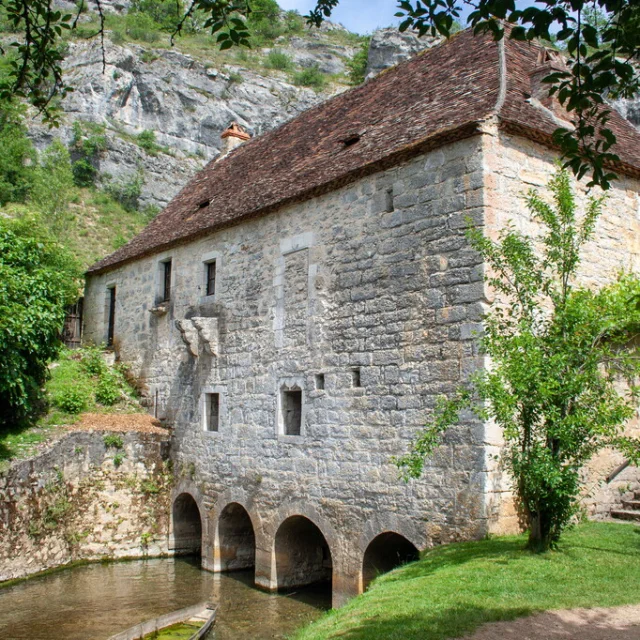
{"x":211,"y":277}
{"x":388,"y":204}
{"x":292,"y":412}
{"x":320,"y":381}
{"x":355,"y":378}
{"x":111,"y":324}
{"x":213,"y":411}
{"x":166,"y":281}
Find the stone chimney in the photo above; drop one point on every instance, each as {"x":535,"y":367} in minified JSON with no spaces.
{"x":548,"y":62}
{"x":232,"y":137}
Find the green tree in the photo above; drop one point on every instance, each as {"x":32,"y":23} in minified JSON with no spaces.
{"x":53,"y":187}
{"x":17,"y":155}
{"x":358,"y":64}
{"x":562,"y":379}
{"x":38,"y":280}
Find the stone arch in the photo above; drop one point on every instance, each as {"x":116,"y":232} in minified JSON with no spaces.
{"x":187,"y":526}
{"x":386,"y":551}
{"x":235,"y":545}
{"x":302,"y":554}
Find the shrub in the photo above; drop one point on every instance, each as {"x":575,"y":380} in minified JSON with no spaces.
{"x":142,"y":27}
{"x":264,"y":21}
{"x":113,"y":440}
{"x":17,"y":155}
{"x":127,"y":193}
{"x":147,"y":141}
{"x":278,"y":60}
{"x":53,"y":186}
{"x":311,"y":77}
{"x":118,"y":459}
{"x":108,"y":390}
{"x":92,"y":361}
{"x":84,"y":173}
{"x":72,"y":401}
{"x":358,"y":64}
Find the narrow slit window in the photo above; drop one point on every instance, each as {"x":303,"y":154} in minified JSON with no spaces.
{"x":166,"y":281}
{"x":211,"y":277}
{"x":355,"y":378}
{"x":389,"y":200}
{"x":111,"y":322}
{"x":213,"y":412}
{"x":292,"y":412}
{"x":320,"y":381}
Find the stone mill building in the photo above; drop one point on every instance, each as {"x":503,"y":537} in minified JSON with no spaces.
{"x":297,"y":309}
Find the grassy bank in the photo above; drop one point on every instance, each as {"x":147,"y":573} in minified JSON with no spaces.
{"x":454,"y":589}
{"x":80,"y":381}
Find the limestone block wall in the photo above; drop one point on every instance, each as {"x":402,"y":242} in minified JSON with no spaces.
{"x":366,"y":300}
{"x":513,"y":166}
{"x":73,"y":502}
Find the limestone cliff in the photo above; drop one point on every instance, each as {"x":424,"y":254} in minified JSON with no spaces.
{"x":187,"y":100}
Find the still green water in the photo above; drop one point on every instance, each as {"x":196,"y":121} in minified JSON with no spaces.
{"x":96,"y":601}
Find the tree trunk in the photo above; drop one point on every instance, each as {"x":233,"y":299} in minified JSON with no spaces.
{"x":539,"y":532}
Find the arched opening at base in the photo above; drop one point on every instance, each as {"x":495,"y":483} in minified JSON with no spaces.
{"x":236,"y":539}
{"x":302,"y":554}
{"x":187,"y":526}
{"x":385,"y":552}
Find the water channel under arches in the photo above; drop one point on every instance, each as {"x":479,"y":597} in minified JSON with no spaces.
{"x":236,"y":540}
{"x":187,"y":525}
{"x":303,"y":556}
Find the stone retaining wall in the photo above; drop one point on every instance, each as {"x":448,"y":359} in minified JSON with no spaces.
{"x":82,"y":499}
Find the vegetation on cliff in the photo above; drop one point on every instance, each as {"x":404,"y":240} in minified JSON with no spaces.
{"x":455,"y":588}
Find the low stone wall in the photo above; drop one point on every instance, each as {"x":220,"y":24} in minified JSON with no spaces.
{"x":92,"y":495}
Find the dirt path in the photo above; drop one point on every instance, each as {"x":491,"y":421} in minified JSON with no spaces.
{"x":618,"y":623}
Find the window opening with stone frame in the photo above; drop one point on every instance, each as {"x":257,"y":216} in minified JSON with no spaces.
{"x":211,"y":277}
{"x":212,"y":408}
{"x":319,"y":381}
{"x":292,"y":412}
{"x":355,"y":378}
{"x":166,"y":281}
{"x":111,"y":315}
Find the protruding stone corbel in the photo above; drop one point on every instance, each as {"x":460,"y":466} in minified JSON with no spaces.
{"x":208,"y":331}
{"x":189,"y":335}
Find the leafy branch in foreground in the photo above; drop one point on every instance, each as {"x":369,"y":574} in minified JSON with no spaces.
{"x":563,"y":374}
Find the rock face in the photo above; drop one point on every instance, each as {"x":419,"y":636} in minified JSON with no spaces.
{"x":185,"y":102}
{"x":630,"y":109}
{"x":389,"y":47}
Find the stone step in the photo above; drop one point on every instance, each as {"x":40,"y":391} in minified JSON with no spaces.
{"x":631,"y":505}
{"x":622,"y":514}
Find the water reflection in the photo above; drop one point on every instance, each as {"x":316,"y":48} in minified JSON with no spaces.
{"x":96,"y":601}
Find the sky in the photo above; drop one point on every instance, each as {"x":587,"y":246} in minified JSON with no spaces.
{"x":360,"y":16}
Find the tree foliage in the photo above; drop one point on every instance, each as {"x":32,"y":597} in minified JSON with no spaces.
{"x":17,"y":155}
{"x":562,"y":379}
{"x":38,"y":280}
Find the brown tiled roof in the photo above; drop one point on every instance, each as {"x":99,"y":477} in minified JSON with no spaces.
{"x":438,"y":96}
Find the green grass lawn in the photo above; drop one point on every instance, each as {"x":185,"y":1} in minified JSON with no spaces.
{"x":454,"y":589}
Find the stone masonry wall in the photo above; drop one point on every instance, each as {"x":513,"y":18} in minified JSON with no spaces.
{"x":79,"y":501}
{"x":373,"y":286}
{"x":513,"y":166}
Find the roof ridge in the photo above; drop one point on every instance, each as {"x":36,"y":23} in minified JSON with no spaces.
{"x":502,"y":77}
